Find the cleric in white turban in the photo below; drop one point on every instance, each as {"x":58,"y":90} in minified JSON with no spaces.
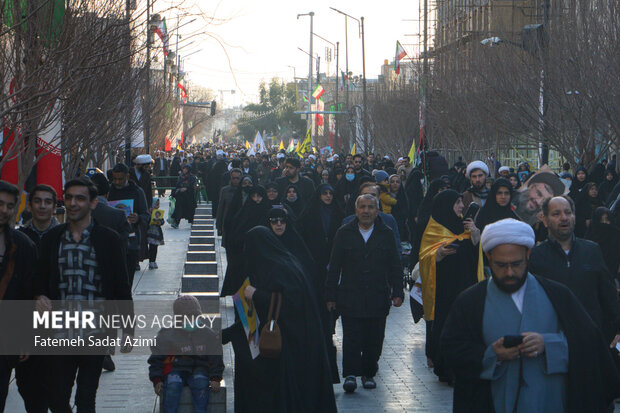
{"x":521,"y":343}
{"x":477,"y":165}
{"x":507,"y":231}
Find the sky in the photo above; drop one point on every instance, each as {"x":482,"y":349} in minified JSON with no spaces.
{"x":260,"y":40}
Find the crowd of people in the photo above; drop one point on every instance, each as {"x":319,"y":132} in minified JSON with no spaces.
{"x":518,"y":273}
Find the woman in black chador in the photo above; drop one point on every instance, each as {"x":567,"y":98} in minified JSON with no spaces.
{"x":185,"y":204}
{"x":300,"y":379}
{"x":498,"y":205}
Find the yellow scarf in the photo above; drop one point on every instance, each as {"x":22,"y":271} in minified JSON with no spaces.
{"x":436,"y":235}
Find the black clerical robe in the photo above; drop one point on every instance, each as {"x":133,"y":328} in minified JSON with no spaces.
{"x":593,"y":381}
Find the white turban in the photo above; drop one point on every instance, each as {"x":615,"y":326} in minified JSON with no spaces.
{"x":503,"y":168}
{"x":143,"y":159}
{"x":507,"y":231}
{"x":477,"y":165}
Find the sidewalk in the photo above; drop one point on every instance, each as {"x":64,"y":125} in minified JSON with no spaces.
{"x":128,"y":389}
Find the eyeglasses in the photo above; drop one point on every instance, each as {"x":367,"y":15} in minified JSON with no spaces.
{"x":277,"y":220}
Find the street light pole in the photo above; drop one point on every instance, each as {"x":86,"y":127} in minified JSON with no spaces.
{"x":147,"y":94}
{"x":346,"y":38}
{"x":544,"y":147}
{"x":130,"y":102}
{"x":365,"y":113}
{"x":309,"y":119}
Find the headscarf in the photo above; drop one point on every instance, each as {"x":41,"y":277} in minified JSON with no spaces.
{"x":297,"y":206}
{"x":278,"y":200}
{"x":443,"y":211}
{"x":578,"y":185}
{"x":293,"y":242}
{"x":492,"y":211}
{"x":514,"y":175}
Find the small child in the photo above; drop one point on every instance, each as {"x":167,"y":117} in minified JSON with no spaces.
{"x":154,"y":234}
{"x":170,"y":370}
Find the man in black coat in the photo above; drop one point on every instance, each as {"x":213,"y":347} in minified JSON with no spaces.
{"x":365,"y":260}
{"x":304,"y":186}
{"x":123,"y":188}
{"x":225,"y":198}
{"x":94,"y":249}
{"x":214,"y":181}
{"x":16,"y":283}
{"x":578,"y":264}
{"x":570,"y":360}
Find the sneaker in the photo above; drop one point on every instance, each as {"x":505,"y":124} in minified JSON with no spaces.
{"x":350,"y":384}
{"x":108,"y":363}
{"x":155,"y":265}
{"x":368,"y":383}
{"x":152,"y":265}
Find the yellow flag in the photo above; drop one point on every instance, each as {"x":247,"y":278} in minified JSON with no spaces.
{"x":353,"y":150}
{"x":247,"y":145}
{"x":304,"y":146}
{"x":412,"y":152}
{"x":281,"y":145}
{"x":436,"y":235}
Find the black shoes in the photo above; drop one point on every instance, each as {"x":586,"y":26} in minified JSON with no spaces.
{"x":350,"y":384}
{"x":108,"y":363}
{"x":368,"y":383}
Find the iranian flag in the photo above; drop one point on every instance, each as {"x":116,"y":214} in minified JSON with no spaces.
{"x":318,"y":92}
{"x":162,"y":32}
{"x":400,"y":53}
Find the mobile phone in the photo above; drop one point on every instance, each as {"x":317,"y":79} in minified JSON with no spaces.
{"x":512,"y":341}
{"x":472,"y":211}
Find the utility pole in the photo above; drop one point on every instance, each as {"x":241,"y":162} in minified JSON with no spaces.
{"x":309,"y":117}
{"x":365,"y":113}
{"x":422,"y":119}
{"x":542,"y":109}
{"x":147,"y":94}
{"x":337,"y":90}
{"x":129,"y":110}
{"x":346,"y":37}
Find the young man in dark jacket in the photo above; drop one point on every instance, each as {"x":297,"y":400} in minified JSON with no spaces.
{"x":365,"y":260}
{"x":124,"y":188}
{"x":578,"y":264}
{"x":81,"y":260}
{"x":17,"y":257}
{"x":42,"y":205}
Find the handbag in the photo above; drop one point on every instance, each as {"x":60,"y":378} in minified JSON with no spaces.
{"x":270,"y":340}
